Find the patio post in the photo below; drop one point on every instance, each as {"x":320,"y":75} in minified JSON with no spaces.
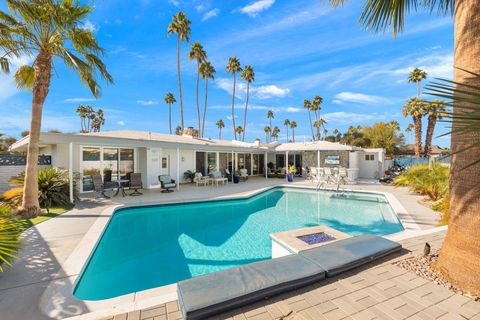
{"x":265,"y":164}
{"x":251,"y":164}
{"x":233,"y":165}
{"x":178,"y":168}
{"x":70,"y":170}
{"x":218,"y":161}
{"x":318,"y":158}
{"x":286,"y":166}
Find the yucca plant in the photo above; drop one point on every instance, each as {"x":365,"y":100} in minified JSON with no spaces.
{"x":9,"y":237}
{"x":431,"y":182}
{"x":53,"y":188}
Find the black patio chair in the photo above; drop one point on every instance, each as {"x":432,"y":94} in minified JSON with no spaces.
{"x":167,"y":183}
{"x":98,"y":186}
{"x":135,"y":184}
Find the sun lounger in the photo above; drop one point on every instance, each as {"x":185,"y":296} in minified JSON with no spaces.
{"x":350,"y":253}
{"x":221,"y":291}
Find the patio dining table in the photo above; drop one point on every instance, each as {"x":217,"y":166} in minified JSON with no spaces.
{"x":120,"y":186}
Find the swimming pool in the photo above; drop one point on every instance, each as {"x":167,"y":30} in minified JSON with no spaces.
{"x":151,"y":246}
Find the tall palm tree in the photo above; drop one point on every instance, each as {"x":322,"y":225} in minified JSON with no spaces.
{"x":319,"y":124}
{"x":415,"y":108}
{"x":233,"y":67}
{"x":180,"y":26}
{"x":239,"y":130}
{"x":316,"y":107}
{"x":459,"y":259}
{"x":198,"y":54}
{"x":307,"y":104}
{"x":275,"y":132}
{"x":293,"y":125}
{"x":416,"y":76}
{"x":267,"y":131}
{"x":207,"y":71}
{"x":435,"y":110}
{"x":170,"y":99}
{"x":286,"y":123}
{"x":325,"y":131}
{"x":336,"y":133}
{"x":50,"y":31}
{"x":249,"y":76}
{"x":409,"y":130}
{"x":270,"y":116}
{"x":220,"y":126}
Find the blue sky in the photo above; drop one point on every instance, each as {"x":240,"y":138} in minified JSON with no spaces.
{"x":298,"y":49}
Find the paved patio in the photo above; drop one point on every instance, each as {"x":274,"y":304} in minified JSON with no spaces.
{"x":378,"y":290}
{"x":48,"y":245}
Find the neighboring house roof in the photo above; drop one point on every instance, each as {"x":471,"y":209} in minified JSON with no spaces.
{"x":409,"y":149}
{"x":158,"y":140}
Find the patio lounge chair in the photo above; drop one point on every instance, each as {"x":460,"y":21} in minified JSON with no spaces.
{"x":201,"y":179}
{"x":98,"y":186}
{"x":205,"y":296}
{"x":217,"y":177}
{"x":244,"y":174}
{"x":166,"y":183}
{"x":270,"y":174}
{"x":135,"y":184}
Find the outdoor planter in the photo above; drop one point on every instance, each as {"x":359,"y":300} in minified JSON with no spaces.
{"x":290,"y":177}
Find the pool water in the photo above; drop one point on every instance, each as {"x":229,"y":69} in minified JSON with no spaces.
{"x":148,"y":247}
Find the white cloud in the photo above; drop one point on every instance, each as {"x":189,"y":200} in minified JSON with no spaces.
{"x":293,"y":110}
{"x":79,"y":100}
{"x":121,"y":123}
{"x":436,"y":65}
{"x":230,"y":117}
{"x":88,"y":25}
{"x":176,"y":3}
{"x":21,"y":121}
{"x":352,"y":97}
{"x":150,"y":102}
{"x":210,"y":14}
{"x":256,"y":7}
{"x":7,"y":85}
{"x":268,"y":91}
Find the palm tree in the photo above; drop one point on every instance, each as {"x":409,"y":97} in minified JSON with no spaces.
{"x":293,"y":125}
{"x":233,"y":67}
{"x":318,"y":124}
{"x":275,"y":132}
{"x":82,"y":113}
{"x":286,"y":123}
{"x":416,"y":76}
{"x":267,"y":131}
{"x":325,"y":131}
{"x":307,"y":104}
{"x":435,"y":110}
{"x":208,"y":72}
{"x":180,"y":26}
{"x":47,"y":30}
{"x":336,"y":133}
{"x":459,"y":259}
{"x":249,"y":76}
{"x":270,"y":116}
{"x":409,"y":130}
{"x":416,"y":109}
{"x":197,"y":53}
{"x":239,"y":130}
{"x":220,"y":125}
{"x":316,"y":107}
{"x":170,"y":99}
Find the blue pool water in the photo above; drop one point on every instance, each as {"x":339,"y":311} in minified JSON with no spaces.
{"x":147,"y":247}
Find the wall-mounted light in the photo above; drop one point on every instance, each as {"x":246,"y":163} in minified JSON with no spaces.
{"x":183,"y":159}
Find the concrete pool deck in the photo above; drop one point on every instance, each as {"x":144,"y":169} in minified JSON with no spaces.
{"x":24,"y":288}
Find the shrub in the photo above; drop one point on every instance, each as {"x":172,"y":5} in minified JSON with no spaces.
{"x":429,"y":182}
{"x":189,"y":175}
{"x":9,"y":236}
{"x":53,"y":188}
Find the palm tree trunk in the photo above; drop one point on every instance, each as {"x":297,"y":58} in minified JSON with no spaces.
{"x":233,"y":106}
{"x":418,"y":89}
{"x":286,"y":127}
{"x":311,"y":124}
{"x":42,"y":67}
{"x":205,"y":106}
{"x":170,"y":117}
{"x":293,"y":134}
{"x":219,"y":133}
{"x":200,"y":132}
{"x":180,"y":84}
{"x":318,"y":127}
{"x":459,"y":259}
{"x":245,"y":114}
{"x":432,"y":121}
{"x":417,"y":121}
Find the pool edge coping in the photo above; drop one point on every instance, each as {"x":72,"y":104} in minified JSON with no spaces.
{"x":77,"y":261}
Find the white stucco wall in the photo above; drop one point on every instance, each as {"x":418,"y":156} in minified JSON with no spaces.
{"x":372,"y":169}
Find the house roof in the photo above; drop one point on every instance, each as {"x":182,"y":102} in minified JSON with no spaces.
{"x":132,"y":138}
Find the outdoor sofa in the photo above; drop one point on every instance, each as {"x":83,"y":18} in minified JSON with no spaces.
{"x":219,"y":292}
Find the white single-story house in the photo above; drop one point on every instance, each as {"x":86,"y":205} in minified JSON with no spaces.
{"x":153,"y":154}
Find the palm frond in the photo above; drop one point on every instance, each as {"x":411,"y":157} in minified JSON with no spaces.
{"x":24,"y":77}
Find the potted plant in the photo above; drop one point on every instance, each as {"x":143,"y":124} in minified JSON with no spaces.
{"x":189,"y":175}
{"x":291,"y":171}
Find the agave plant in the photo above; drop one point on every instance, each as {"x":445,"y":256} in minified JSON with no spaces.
{"x":9,"y":237}
{"x":53,"y":188}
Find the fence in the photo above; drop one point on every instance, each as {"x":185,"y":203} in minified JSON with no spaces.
{"x":407,"y":162}
{"x":13,"y":165}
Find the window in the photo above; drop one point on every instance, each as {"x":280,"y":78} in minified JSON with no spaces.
{"x":164,"y":163}
{"x":212,"y":162}
{"x":369,"y":157}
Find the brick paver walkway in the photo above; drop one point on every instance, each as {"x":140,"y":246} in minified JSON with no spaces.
{"x":379,"y":290}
